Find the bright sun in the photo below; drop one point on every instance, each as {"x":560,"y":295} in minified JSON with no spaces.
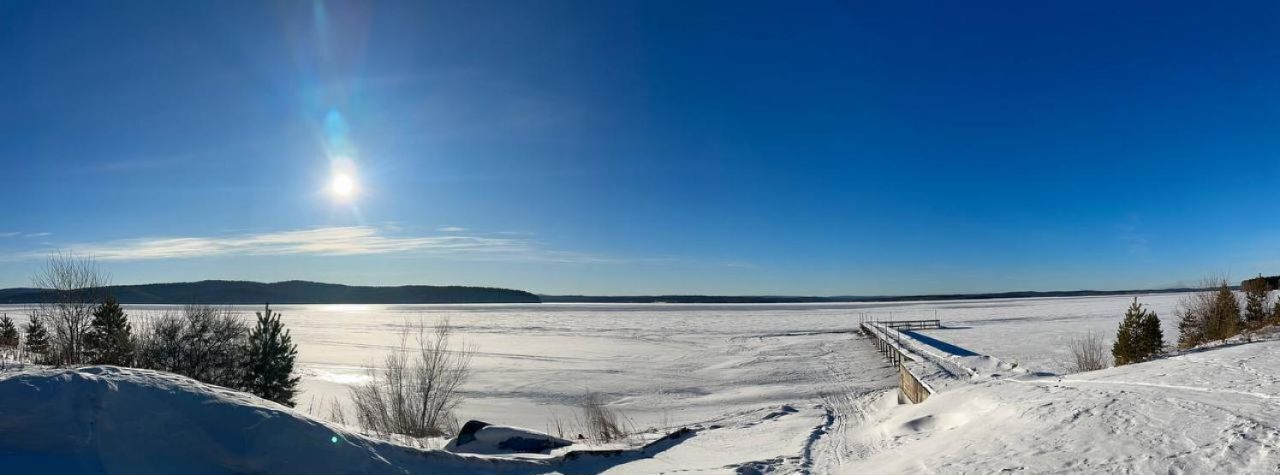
{"x":342,"y":186}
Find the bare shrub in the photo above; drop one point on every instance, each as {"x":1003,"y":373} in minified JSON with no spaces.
{"x":1211,"y":314}
{"x":75,"y":286}
{"x":417,"y":391}
{"x":205,"y":343}
{"x":594,"y":421}
{"x":1089,"y":352}
{"x":601,"y":422}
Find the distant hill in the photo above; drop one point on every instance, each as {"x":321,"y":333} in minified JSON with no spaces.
{"x":290,"y":292}
{"x":850,"y":298}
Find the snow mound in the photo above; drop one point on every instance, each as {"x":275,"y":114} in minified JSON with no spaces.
{"x":110,"y":420}
{"x":1205,"y":412}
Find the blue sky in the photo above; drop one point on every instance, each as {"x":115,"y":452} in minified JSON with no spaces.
{"x":643,"y":147}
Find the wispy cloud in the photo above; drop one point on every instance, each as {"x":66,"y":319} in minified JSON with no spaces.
{"x":14,"y":234}
{"x":451,"y":229}
{"x":330,"y":241}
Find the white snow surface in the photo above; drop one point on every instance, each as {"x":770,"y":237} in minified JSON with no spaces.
{"x":1215,"y":411}
{"x":786,"y":388}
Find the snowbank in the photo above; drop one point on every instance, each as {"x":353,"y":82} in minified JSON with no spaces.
{"x":1205,"y":412}
{"x":113,"y":420}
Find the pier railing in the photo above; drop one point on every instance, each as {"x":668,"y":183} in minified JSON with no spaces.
{"x":887,"y":339}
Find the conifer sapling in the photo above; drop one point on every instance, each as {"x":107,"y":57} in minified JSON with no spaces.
{"x":110,"y":337}
{"x":268,"y":369}
{"x":8,"y":333}
{"x":37,"y":340}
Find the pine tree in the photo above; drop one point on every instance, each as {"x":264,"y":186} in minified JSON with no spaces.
{"x":1224,"y":317}
{"x":268,"y":369}
{"x":110,"y":337}
{"x":1127,"y":347}
{"x":1151,"y":335}
{"x":1275,"y":313}
{"x":37,"y":340}
{"x":1255,"y":307}
{"x":1190,"y":328}
{"x":8,"y":333}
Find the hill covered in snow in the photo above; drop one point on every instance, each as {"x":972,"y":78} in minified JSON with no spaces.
{"x":1214,"y":411}
{"x":110,"y":420}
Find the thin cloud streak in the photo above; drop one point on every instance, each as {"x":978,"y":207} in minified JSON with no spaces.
{"x":330,"y":241}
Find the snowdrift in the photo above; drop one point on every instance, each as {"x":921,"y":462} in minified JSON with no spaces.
{"x":112,"y":420}
{"x":1212,"y":411}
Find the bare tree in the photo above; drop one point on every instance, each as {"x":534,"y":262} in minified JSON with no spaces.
{"x":418,"y":390}
{"x":1089,"y":352}
{"x":75,"y":286}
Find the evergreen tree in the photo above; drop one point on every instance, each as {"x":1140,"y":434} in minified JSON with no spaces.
{"x":268,"y":370}
{"x":38,"y":340}
{"x":1256,"y":313}
{"x":1127,"y":347}
{"x":1151,"y":335}
{"x":1275,"y":313}
{"x":1224,"y":316}
{"x":1190,"y":328}
{"x":110,"y":337}
{"x":8,"y":333}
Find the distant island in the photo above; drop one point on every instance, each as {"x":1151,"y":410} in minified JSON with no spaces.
{"x":225,"y":292}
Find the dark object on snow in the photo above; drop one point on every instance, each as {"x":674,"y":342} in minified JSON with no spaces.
{"x":468,"y":432}
{"x":484,"y":438}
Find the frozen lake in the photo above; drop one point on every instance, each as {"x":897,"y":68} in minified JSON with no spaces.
{"x":667,"y":364}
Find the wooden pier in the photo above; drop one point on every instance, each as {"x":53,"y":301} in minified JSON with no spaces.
{"x":887,"y":339}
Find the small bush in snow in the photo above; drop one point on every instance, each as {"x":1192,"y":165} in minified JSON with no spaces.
{"x":417,"y":392}
{"x":213,"y":345}
{"x":1089,"y":352}
{"x":205,"y":343}
{"x":602,"y":422}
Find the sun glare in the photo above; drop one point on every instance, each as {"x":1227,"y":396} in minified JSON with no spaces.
{"x":342,"y":186}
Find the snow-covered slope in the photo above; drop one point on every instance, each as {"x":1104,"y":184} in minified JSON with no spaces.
{"x":1212,"y":411}
{"x":109,"y":420}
